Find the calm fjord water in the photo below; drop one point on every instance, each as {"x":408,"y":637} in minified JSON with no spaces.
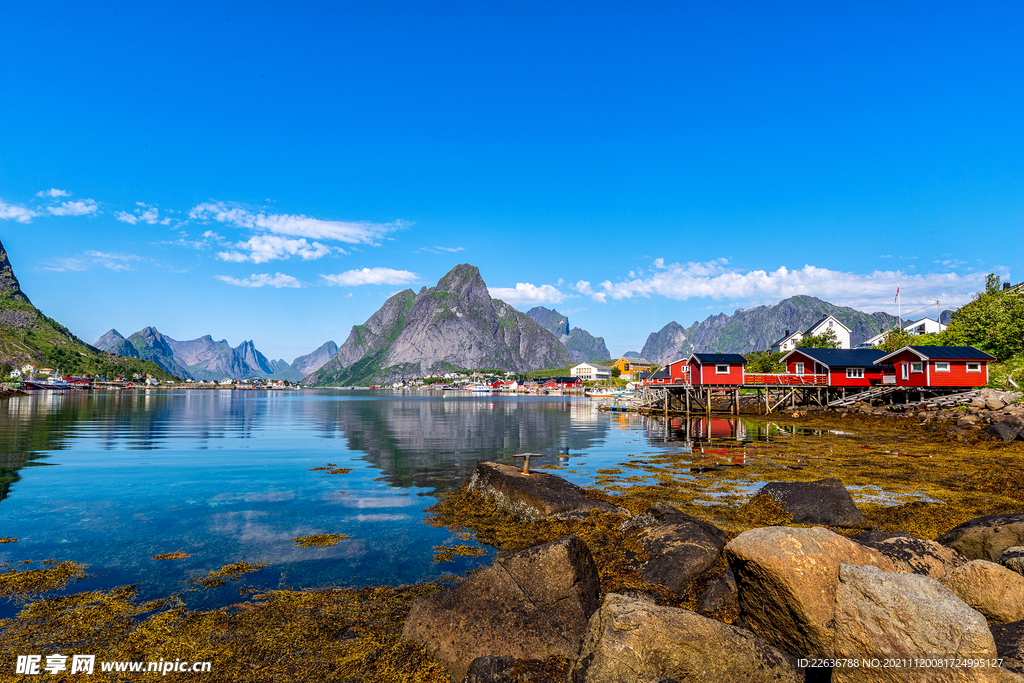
{"x":112,"y":478}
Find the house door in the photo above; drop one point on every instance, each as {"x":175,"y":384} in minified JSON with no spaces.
{"x":905,"y":371}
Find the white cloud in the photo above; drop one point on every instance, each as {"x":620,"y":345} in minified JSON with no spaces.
{"x":53,"y":192}
{"x":715,"y":279}
{"x":113,"y":261}
{"x":372,"y":276}
{"x":263,"y":248}
{"x":350,"y":232}
{"x":126,"y":217}
{"x":526,"y":293}
{"x":82,"y":208}
{"x":146,"y":214}
{"x":13,"y":212}
{"x":277,"y":280}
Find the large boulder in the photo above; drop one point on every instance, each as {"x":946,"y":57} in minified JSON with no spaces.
{"x":1003,"y":431}
{"x":1013,"y":558}
{"x":883,"y":616}
{"x":985,"y":538}
{"x":679,"y":547}
{"x":636,"y":641}
{"x":536,"y":495}
{"x":917,"y":556}
{"x":992,"y":589}
{"x":1010,"y":644}
{"x":532,"y":605}
{"x":816,"y":502}
{"x":787,"y":578}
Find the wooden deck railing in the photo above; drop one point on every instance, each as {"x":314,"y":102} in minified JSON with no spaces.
{"x":784,"y":379}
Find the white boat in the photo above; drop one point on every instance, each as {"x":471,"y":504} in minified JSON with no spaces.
{"x":479,"y":388}
{"x":607,"y":392}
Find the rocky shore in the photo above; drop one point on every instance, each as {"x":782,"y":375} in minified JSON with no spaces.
{"x":778,"y":603}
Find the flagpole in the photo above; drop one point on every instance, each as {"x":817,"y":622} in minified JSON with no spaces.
{"x":900,"y":302}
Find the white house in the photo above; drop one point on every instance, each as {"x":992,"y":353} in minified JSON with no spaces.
{"x":790,"y":340}
{"x":922,"y":326}
{"x":589,"y":371}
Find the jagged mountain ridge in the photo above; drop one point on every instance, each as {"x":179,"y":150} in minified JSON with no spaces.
{"x":581,"y":345}
{"x":454,"y":325}
{"x":758,"y":328}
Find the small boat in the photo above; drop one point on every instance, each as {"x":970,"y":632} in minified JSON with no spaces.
{"x":479,"y":388}
{"x":607,"y":392}
{"x":49,"y":384}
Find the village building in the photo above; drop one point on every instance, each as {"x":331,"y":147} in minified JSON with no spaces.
{"x":590,"y":371}
{"x":841,"y":367}
{"x":790,"y":340}
{"x":922,"y":326}
{"x":716,"y":369}
{"x":629,"y":366}
{"x":937,"y":366}
{"x":679,"y":371}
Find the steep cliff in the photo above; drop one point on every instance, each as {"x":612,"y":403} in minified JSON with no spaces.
{"x":455,"y":325}
{"x":581,"y":345}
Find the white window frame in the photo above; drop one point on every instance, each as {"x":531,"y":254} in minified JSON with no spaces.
{"x":719,"y":371}
{"x":905,"y":371}
{"x":976,"y":368}
{"x":917,"y":367}
{"x":942,"y":366}
{"x":798,"y":368}
{"x":854,"y":373}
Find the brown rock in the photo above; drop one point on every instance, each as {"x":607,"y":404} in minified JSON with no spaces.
{"x":990,"y":588}
{"x":917,"y":556}
{"x":1013,"y":558}
{"x":532,"y":605}
{"x":985,"y":538}
{"x":787,"y":578}
{"x":906,"y":616}
{"x":631,"y":641}
{"x":536,"y":495}
{"x":816,"y":502}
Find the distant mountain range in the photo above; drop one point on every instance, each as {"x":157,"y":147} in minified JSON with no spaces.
{"x":758,"y":328}
{"x":581,"y":345}
{"x":455,"y":325}
{"x":205,"y":359}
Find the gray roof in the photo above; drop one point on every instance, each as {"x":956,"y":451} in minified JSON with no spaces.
{"x":638,"y":361}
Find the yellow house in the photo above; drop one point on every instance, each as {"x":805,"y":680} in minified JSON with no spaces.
{"x":628,"y":367}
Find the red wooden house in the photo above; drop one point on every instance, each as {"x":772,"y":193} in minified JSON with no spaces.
{"x":842,"y":367}
{"x":716,"y":369}
{"x":658,"y":378}
{"x":678,"y":371}
{"x":939,"y":366}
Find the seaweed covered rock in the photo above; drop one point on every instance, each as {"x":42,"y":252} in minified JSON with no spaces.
{"x":917,"y":556}
{"x":787,"y":578}
{"x":1003,"y":431}
{"x":532,"y":605}
{"x":533,"y":496}
{"x":680,"y":547}
{"x":990,"y":588}
{"x":816,"y":502}
{"x":985,"y":538}
{"x":1010,"y":644}
{"x":635,"y":641}
{"x":1013,"y":558}
{"x":906,"y":616}
{"x":512,"y":670}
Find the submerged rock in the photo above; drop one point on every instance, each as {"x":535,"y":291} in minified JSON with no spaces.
{"x":680,"y":547}
{"x":635,"y":641}
{"x":532,"y":605}
{"x":985,"y":538}
{"x":990,"y":588}
{"x":817,"y":502}
{"x":536,"y":495}
{"x":787,"y":579}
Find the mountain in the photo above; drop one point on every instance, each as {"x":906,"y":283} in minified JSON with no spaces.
{"x":28,"y":336}
{"x":581,"y":345}
{"x":758,"y":328}
{"x":113,"y":342}
{"x":455,"y":325}
{"x":150,"y":345}
{"x":311,"y":362}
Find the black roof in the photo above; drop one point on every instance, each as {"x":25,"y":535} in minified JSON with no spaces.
{"x":719,"y":358}
{"x":952,"y":353}
{"x":661,"y":374}
{"x":561,"y":380}
{"x":843,"y":358}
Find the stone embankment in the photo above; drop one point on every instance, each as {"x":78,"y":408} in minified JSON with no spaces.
{"x":891,"y":606}
{"x":999,"y":414}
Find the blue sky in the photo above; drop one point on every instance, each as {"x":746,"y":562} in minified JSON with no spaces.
{"x":273,"y":173}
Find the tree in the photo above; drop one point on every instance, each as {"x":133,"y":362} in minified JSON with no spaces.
{"x":825,"y":340}
{"x":993,"y":321}
{"x":764,"y":361}
{"x":616,"y":372}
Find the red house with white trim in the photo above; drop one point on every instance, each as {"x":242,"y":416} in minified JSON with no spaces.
{"x":716,"y":369}
{"x":678,"y":371}
{"x":842,"y":367}
{"x":939,"y":366}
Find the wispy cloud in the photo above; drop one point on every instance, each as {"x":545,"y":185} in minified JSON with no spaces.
{"x":371,"y":276}
{"x":89,"y":259}
{"x":438,"y":250}
{"x":13,"y":212}
{"x":526,"y":293}
{"x":53,"y":192}
{"x":113,"y":261}
{"x":294,"y":225}
{"x":145,"y":214}
{"x":79,"y":208}
{"x":277,"y":280}
{"x":263,"y":248}
{"x":716,"y":280}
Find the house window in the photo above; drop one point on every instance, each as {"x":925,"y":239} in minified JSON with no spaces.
{"x":721,"y":369}
{"x":942,"y":366}
{"x":855,"y":373}
{"x":974,"y":367}
{"x":798,"y":368}
{"x":917,"y":367}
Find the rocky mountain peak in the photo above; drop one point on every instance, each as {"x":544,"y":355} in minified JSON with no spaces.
{"x":8,"y":281}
